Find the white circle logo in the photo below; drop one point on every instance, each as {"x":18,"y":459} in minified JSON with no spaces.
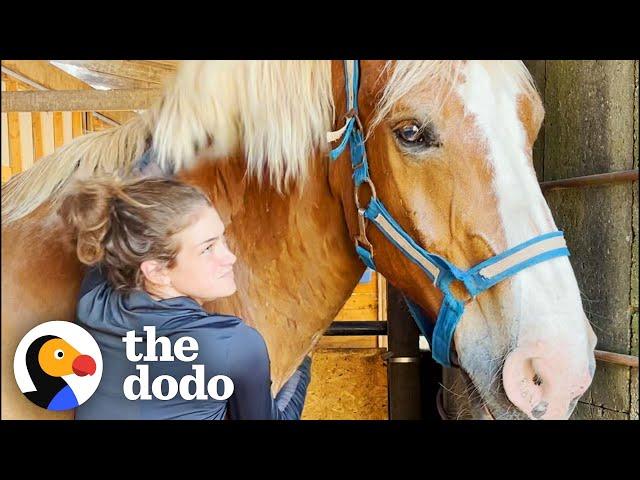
{"x":58,"y":365}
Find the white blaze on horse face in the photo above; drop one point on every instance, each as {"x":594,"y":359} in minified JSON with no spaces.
{"x":546,"y":305}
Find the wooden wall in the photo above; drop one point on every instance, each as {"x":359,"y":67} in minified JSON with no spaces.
{"x":28,"y":136}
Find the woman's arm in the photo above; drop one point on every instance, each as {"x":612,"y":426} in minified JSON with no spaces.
{"x":250,"y":373}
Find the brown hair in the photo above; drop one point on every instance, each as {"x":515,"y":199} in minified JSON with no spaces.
{"x":122,"y":223}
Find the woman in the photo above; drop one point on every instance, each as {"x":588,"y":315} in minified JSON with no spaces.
{"x":158,"y":250}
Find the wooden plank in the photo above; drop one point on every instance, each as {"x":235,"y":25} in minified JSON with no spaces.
{"x":58,"y":137}
{"x":13,"y":126}
{"x":26,"y":139}
{"x":15,"y":157}
{"x":102,"y":81}
{"x":19,"y":86}
{"x":76,"y":124}
{"x":361,"y":305}
{"x":370,"y":287}
{"x":5,"y":141}
{"x":5,"y":136}
{"x":133,"y":69}
{"x":363,"y":314}
{"x":26,"y":129}
{"x":79,"y":100}
{"x":46,"y":123}
{"x":45,"y":74}
{"x":99,"y":125}
{"x":67,"y":133}
{"x":167,"y":63}
{"x":89,"y":121}
{"x":362,"y":301}
{"x":36,"y":132}
{"x":356,"y":341}
{"x":51,"y":77}
{"x":6,"y":173}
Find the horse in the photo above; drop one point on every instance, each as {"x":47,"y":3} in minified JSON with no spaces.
{"x":449,"y":150}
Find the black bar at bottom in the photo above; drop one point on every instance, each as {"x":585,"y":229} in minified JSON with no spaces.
{"x":357,"y":328}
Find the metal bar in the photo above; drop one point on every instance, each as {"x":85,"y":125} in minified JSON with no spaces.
{"x":405,"y":402}
{"x":592,"y":180}
{"x":357,"y":328}
{"x":617,"y":358}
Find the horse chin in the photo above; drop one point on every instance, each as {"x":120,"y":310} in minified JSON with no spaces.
{"x":494,"y":406}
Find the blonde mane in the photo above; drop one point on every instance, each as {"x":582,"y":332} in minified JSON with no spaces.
{"x":275,"y":113}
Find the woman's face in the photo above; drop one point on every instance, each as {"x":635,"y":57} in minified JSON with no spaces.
{"x":204,"y":265}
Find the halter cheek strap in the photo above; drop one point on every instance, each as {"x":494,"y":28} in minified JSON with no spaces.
{"x":439,"y":270}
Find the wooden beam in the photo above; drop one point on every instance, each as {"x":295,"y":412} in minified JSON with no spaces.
{"x":26,"y":139}
{"x":132,"y":69}
{"x":6,"y":173}
{"x":13,"y":128}
{"x":89,"y":119}
{"x":76,"y":124}
{"x":36,"y":129}
{"x":167,"y":63}
{"x":99,"y":124}
{"x":67,"y":131}
{"x":50,"y":77}
{"x":102,"y":81}
{"x":79,"y":100}
{"x":15,"y":148}
{"x":5,"y":141}
{"x":5,"y":136}
{"x":58,"y":133}
{"x":48,"y":143}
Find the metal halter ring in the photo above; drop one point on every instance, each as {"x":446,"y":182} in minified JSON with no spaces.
{"x":356,"y":189}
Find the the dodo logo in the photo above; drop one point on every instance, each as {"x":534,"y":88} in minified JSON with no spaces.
{"x":58,"y":365}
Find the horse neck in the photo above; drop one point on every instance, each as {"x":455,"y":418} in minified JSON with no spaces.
{"x":296,"y":263}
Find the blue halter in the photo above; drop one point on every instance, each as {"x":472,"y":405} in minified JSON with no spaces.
{"x":440,"y":271}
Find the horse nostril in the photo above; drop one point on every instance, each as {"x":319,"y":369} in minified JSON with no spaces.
{"x":537,"y":380}
{"x":540,"y":409}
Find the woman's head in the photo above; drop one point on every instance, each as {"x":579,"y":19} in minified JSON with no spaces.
{"x":156,"y":234}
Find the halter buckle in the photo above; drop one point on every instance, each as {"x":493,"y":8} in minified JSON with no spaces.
{"x":354,"y":113}
{"x":361,"y":237}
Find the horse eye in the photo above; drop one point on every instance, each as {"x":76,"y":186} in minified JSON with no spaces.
{"x":58,"y":354}
{"x":412,"y":135}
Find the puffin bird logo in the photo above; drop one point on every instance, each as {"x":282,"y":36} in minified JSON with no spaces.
{"x":50,"y":358}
